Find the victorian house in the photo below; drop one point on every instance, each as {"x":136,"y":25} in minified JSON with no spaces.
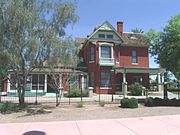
{"x":115,"y":59}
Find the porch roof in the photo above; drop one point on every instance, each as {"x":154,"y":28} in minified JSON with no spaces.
{"x":151,"y":71}
{"x":54,"y":70}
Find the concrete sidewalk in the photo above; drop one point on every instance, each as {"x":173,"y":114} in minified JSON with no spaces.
{"x":157,"y":125}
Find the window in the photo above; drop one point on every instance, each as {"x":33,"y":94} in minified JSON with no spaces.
{"x":134,"y":56}
{"x":91,"y":79}
{"x":137,"y":79}
{"x":105,"y":79}
{"x":38,"y":81}
{"x":101,"y":35}
{"x":105,"y":51}
{"x":117,"y":54}
{"x":109,"y":36}
{"x":92,"y":54}
{"x":74,"y":82}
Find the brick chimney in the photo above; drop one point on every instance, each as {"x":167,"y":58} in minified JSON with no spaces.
{"x":120,"y":27}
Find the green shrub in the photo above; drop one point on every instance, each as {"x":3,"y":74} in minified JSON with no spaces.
{"x":102,"y":103}
{"x":8,"y":107}
{"x":149,"y":101}
{"x":129,"y":103}
{"x":136,"y":89}
{"x":174,"y":102}
{"x":79,"y":105}
{"x":158,"y":101}
{"x":161,"y":102}
{"x":76,"y":93}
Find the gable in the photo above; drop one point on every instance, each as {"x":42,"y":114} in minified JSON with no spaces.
{"x":107,"y":29}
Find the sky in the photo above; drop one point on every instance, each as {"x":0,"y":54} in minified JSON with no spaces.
{"x":144,"y":14}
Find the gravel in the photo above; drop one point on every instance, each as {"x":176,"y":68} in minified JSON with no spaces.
{"x":90,"y":111}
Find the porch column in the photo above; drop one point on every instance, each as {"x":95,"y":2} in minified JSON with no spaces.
{"x":45,"y":83}
{"x":82,"y":82}
{"x":124,"y":85}
{"x":99,"y":58}
{"x":159,"y":82}
{"x":8,"y":84}
{"x":162,"y":77}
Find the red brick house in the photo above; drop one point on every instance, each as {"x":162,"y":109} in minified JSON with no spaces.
{"x":115,"y":59}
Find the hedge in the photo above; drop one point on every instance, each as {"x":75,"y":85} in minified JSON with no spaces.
{"x":161,"y":102}
{"x":129,"y":103}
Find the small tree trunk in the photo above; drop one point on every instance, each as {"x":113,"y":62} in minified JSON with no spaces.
{"x":21,"y":92}
{"x":56,"y":98}
{"x":61,"y":92}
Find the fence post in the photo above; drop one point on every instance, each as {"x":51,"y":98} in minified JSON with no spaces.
{"x":165,"y":90}
{"x":99,"y":96}
{"x":36,"y":95}
{"x":81,"y":94}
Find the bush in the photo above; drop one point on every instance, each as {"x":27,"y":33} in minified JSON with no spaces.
{"x":102,"y":103}
{"x":149,"y":101}
{"x":161,"y":102}
{"x":175,"y":102}
{"x":8,"y":107}
{"x":79,"y":104}
{"x":129,"y":103}
{"x":76,"y":93}
{"x":136,"y":89}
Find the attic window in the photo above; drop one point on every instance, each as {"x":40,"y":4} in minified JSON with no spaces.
{"x":133,"y":38}
{"x":109,"y":36}
{"x":101,"y":35}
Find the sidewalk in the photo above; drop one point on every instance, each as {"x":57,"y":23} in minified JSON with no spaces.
{"x":158,"y":125}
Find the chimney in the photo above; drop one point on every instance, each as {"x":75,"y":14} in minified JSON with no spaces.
{"x":120,"y":27}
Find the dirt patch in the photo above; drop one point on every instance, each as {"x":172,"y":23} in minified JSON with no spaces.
{"x":89,"y":111}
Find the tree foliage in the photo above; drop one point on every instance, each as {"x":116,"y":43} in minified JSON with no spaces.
{"x":137,"y":30}
{"x":30,"y":29}
{"x":165,"y":45}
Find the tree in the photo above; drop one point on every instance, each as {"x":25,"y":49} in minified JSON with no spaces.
{"x":29,"y":31}
{"x":165,"y":45}
{"x":61,"y":66}
{"x":137,"y":30}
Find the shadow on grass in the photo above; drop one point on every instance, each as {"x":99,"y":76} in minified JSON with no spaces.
{"x":34,"y":133}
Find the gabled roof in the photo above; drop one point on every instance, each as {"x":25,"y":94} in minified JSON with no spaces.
{"x":133,"y":39}
{"x":106,"y":26}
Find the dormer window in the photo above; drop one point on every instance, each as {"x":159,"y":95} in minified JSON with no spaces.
{"x":101,"y":35}
{"x":109,"y":36}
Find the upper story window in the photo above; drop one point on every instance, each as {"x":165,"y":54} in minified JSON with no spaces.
{"x":134,"y":56}
{"x":92,"y":54}
{"x":105,"y":51}
{"x":101,"y":35}
{"x":109,"y":36}
{"x":117,"y":54}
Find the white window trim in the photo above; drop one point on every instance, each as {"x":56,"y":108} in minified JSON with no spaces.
{"x":91,"y":61}
{"x":106,"y":44}
{"x":105,"y":87}
{"x":135,"y":63}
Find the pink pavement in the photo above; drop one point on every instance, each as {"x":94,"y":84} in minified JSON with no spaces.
{"x":156,"y":125}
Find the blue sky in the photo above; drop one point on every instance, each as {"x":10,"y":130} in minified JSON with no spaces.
{"x":144,"y":14}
